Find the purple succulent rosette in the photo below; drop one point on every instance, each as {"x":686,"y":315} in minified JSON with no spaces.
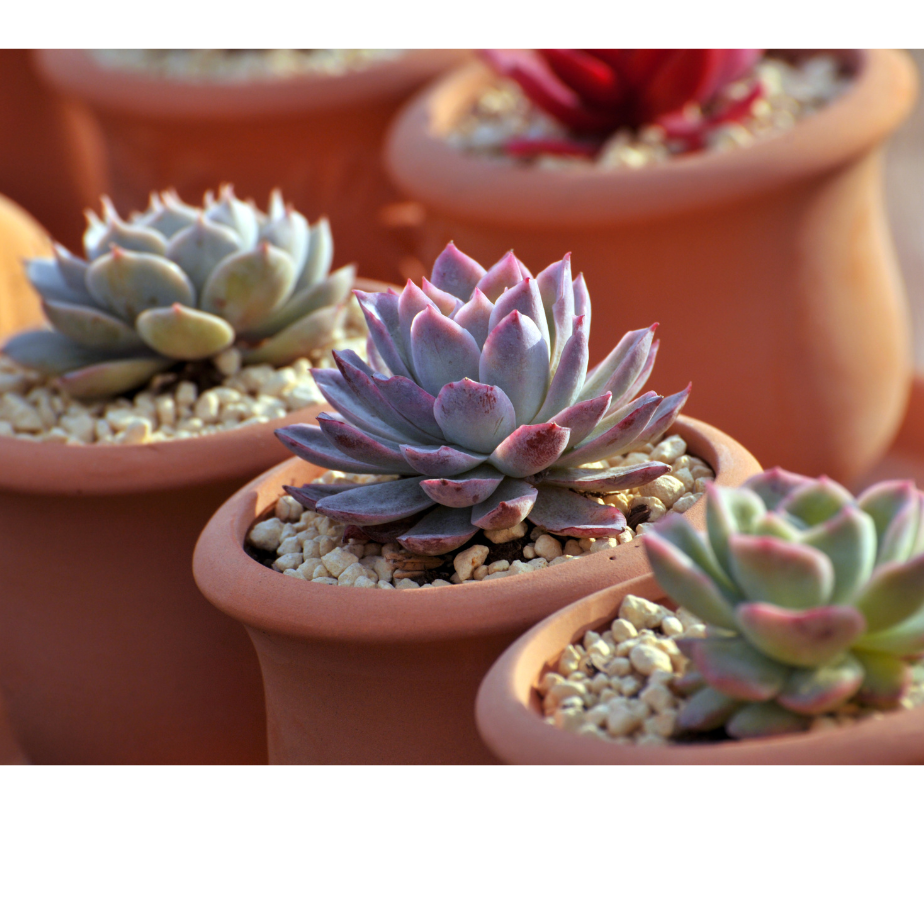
{"x":813,"y":598}
{"x":477,"y":394}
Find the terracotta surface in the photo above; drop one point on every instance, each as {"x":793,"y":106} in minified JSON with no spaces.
{"x":510,"y":719}
{"x":10,"y":750}
{"x":355,"y":675}
{"x":317,"y":137}
{"x":108,"y":652}
{"x":51,"y":151}
{"x":769,"y":266}
{"x":905,"y":458}
{"x":20,"y":237}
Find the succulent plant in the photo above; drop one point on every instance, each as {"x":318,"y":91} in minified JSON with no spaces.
{"x":812,"y":598}
{"x":477,"y":395}
{"x":178,"y":283}
{"x":595,"y":93}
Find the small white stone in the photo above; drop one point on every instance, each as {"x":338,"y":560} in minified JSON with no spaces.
{"x":18,"y":412}
{"x":294,"y":572}
{"x":629,"y":685}
{"x":469,"y":559}
{"x":290,"y":545}
{"x":656,"y":507}
{"x":666,"y":488}
{"x":325,"y":580}
{"x":498,"y":536}
{"x":406,"y":584}
{"x":669,"y":449}
{"x":700,"y":485}
{"x":228,"y":362}
{"x":646,"y":658}
{"x":622,"y":629}
{"x":686,"y":502}
{"x":350,"y":575}
{"x":569,"y":660}
{"x":618,"y":667}
{"x":288,"y":508}
{"x":683,"y":476}
{"x":642,"y":613}
{"x":337,"y":560}
{"x":548,"y":547}
{"x":285,"y":562}
{"x":500,"y":565}
{"x":657,"y":697}
{"x":266,"y":535}
{"x":621,"y":719}
{"x":671,"y":625}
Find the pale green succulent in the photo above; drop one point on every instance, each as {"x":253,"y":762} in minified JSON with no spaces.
{"x":178,"y":283}
{"x":812,"y":598}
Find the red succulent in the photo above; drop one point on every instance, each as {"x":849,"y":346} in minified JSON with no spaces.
{"x":595,"y":93}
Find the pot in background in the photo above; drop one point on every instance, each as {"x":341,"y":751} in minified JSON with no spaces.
{"x":315,"y":136}
{"x":771,"y":264}
{"x":357,"y":675}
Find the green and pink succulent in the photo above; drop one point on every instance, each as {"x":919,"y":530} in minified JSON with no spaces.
{"x":477,"y":395}
{"x":178,"y":284}
{"x":813,"y":598}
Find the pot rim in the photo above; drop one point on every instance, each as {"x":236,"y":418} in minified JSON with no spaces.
{"x":75,"y":72}
{"x":98,"y":469}
{"x":479,"y":188}
{"x":514,"y":729}
{"x":227,"y":575}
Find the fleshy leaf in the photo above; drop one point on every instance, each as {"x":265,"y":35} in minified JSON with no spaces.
{"x":446,"y":302}
{"x":287,"y":230}
{"x":90,"y":327}
{"x":568,"y":380}
{"x":524,"y":298}
{"x":515,"y":358}
{"x":184,"y":333}
{"x":510,"y":504}
{"x":818,"y":501}
{"x":309,"y":443}
{"x":615,"y":440}
{"x":530,"y":449}
{"x":199,"y":248}
{"x":567,"y":513}
{"x":763,"y":720}
{"x":894,"y":508}
{"x":112,"y":377}
{"x":440,"y":531}
{"x":246,"y":287}
{"x":582,"y":418}
{"x":904,"y":640}
{"x":885,"y":679}
{"x":893,"y":593}
{"x":677,"y":530}
{"x":237,"y":215}
{"x":441,"y":461}
{"x":604,"y":480}
{"x":686,"y":583}
{"x":352,"y":442}
{"x":331,"y":291}
{"x":128,"y":283}
{"x":505,"y":274}
{"x":773,"y":571}
{"x":456,"y":273}
{"x":733,"y":667}
{"x":801,"y":638}
{"x":320,"y":256}
{"x":472,"y":488}
{"x":475,"y":316}
{"x":407,"y":398}
{"x":476,"y":416}
{"x":442,"y":351}
{"x":730,"y":511}
{"x":309,"y":494}
{"x":822,"y":689}
{"x":315,"y":332}
{"x":706,"y":710}
{"x":774,"y":485}
{"x":376,"y":503}
{"x":848,"y":540}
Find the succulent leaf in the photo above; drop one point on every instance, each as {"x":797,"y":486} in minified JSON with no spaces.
{"x":735,"y":668}
{"x":111,"y":377}
{"x":801,"y":638}
{"x":581,"y":419}
{"x":813,"y":691}
{"x":456,"y":273}
{"x":376,"y":503}
{"x":473,"y":415}
{"x":356,"y":444}
{"x":310,"y":444}
{"x":198,"y":261}
{"x":530,"y":449}
{"x":762,"y":720}
{"x":441,"y":461}
{"x":478,"y":485}
{"x":508,"y":505}
{"x":706,"y":709}
{"x":568,"y":513}
{"x":475,"y":316}
{"x":441,"y":530}
{"x":184,"y":333}
{"x":505,"y":274}
{"x":828,"y":594}
{"x":442,"y":351}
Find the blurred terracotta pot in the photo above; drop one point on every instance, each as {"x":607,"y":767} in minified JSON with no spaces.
{"x":21,"y":237}
{"x":51,"y":151}
{"x":317,"y":137}
{"x":108,"y":653}
{"x":355,"y":675}
{"x":511,"y":723}
{"x":770,"y":266}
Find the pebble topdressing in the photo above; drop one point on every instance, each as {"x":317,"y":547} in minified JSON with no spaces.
{"x":305,"y":545}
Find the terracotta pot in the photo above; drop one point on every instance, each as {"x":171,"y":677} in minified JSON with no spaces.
{"x":510,"y":720}
{"x":355,"y":675}
{"x":20,"y":237}
{"x":769,"y":266}
{"x":10,"y":750}
{"x":108,"y":654}
{"x":317,"y":137}
{"x":52,"y":160}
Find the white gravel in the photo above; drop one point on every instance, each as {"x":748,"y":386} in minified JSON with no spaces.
{"x":303,"y":541}
{"x":791,"y":92}
{"x":222,"y":65}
